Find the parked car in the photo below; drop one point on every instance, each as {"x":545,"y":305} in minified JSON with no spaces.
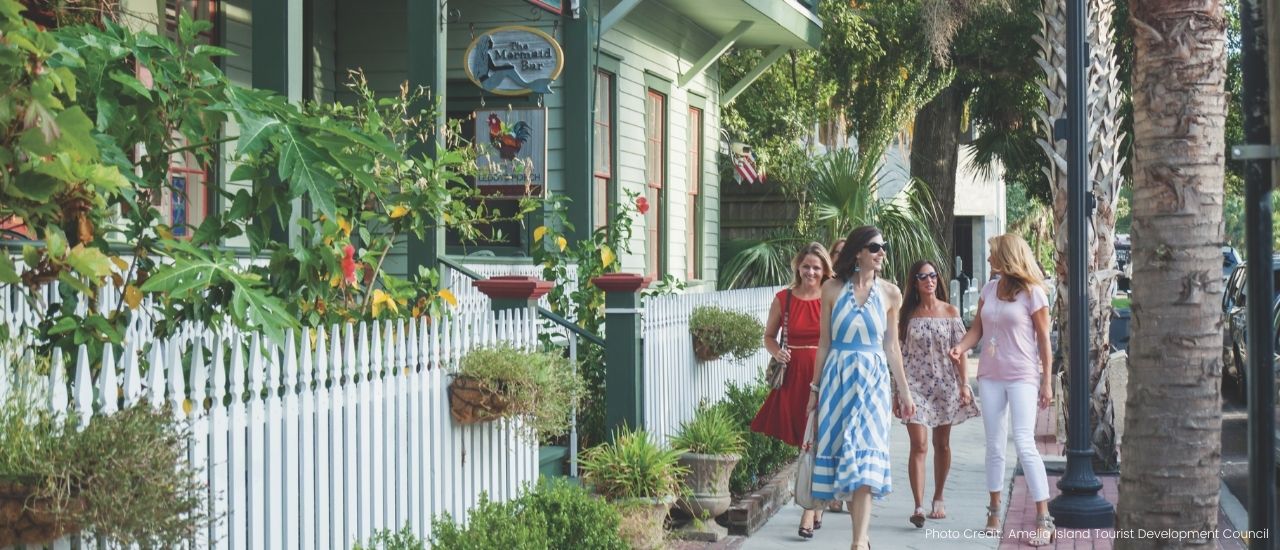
{"x":1124,"y":250}
{"x":1230,"y":259}
{"x":1235,"y":351}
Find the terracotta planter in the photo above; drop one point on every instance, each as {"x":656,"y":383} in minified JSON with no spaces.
{"x":702,"y":351}
{"x":472,"y":400}
{"x":642,"y":522}
{"x":25,"y":519}
{"x":708,"y":483}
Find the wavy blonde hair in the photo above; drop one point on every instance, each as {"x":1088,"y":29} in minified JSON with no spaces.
{"x":1012,"y":257}
{"x":815,"y":249}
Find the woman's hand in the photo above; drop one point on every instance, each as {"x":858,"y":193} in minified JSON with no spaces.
{"x":1046,"y":394}
{"x":956,"y":352}
{"x":783,"y":355}
{"x":906,"y":408}
{"x":966,"y":394}
{"x":813,"y":402}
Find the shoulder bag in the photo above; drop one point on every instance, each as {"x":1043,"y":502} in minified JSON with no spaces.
{"x":777,"y":370}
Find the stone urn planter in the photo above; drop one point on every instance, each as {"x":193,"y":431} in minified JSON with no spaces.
{"x":708,"y":483}
{"x":642,"y":520}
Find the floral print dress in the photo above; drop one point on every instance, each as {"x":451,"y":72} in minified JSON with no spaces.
{"x":931,"y":376}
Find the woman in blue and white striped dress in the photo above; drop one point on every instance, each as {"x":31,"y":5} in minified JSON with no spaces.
{"x":857,"y":353}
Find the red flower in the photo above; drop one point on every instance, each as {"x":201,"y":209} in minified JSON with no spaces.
{"x":642,"y":204}
{"x":349,"y":264}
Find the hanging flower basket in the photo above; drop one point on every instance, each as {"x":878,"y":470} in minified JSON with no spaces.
{"x":702,"y":349}
{"x":472,"y":400}
{"x":25,"y":519}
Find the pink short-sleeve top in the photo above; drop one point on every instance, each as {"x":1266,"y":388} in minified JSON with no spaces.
{"x":1009,"y":348}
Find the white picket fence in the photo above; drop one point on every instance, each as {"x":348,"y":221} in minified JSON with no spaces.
{"x":675,"y":381}
{"x":318,"y":441}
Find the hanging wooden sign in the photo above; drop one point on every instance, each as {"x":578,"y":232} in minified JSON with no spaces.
{"x":513,"y":147}
{"x":514,"y":60}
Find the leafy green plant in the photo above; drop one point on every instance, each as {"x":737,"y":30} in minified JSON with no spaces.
{"x":123,"y":477}
{"x":717,"y":332}
{"x":762,"y":456}
{"x":491,"y":526}
{"x":386,"y":539}
{"x":554,"y":514}
{"x":711,"y":431}
{"x":575,"y":518}
{"x":632,"y":466}
{"x":72,"y":124}
{"x":540,"y":387}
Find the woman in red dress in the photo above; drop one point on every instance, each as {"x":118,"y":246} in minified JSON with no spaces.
{"x":783,"y":414}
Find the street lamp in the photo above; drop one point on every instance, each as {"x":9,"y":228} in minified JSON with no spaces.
{"x":1079,"y":505}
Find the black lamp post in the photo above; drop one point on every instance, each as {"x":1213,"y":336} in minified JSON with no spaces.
{"x":1079,"y":505}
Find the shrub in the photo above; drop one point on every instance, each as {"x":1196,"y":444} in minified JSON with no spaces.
{"x":404,"y":539}
{"x":123,"y":477}
{"x":711,"y":431}
{"x":632,"y":466}
{"x":575,"y":518}
{"x":541,"y":387}
{"x":762,"y":455}
{"x":555,"y":514}
{"x":718,"y":332}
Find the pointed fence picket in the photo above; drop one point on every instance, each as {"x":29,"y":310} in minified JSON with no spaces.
{"x":317,"y":441}
{"x":675,"y":381}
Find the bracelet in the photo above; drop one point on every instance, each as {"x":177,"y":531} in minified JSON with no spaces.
{"x":813,"y":388}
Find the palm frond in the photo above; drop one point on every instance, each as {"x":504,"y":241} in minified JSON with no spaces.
{"x":765,"y":262}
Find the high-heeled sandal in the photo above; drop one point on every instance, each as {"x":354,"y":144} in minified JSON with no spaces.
{"x":992,"y":512}
{"x":1044,"y":524}
{"x":805,"y":532}
{"x":917,"y":519}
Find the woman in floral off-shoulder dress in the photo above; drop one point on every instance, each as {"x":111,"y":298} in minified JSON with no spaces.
{"x":929,"y":327}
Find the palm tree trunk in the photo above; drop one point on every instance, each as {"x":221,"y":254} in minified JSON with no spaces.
{"x":1172,"y":449}
{"x":1105,"y":172}
{"x":935,"y":149}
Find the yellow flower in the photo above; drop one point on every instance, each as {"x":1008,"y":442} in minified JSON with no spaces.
{"x":606,"y":256}
{"x":562,"y":242}
{"x":447,"y":295}
{"x":382,"y":299}
{"x":539,"y":232}
{"x":399,"y":211}
{"x":345,"y":226}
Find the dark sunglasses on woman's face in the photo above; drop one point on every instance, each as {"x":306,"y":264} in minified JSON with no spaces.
{"x":923,"y":276}
{"x":875,"y":248}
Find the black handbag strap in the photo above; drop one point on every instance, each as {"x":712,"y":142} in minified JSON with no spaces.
{"x":786,"y":315}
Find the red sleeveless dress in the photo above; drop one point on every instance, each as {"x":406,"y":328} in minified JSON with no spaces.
{"x":783,"y":413}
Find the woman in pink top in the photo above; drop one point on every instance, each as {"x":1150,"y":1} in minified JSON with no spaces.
{"x":1012,"y":325}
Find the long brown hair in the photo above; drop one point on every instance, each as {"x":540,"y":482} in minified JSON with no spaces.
{"x":911,"y":296}
{"x":1012,"y":257}
{"x":853,"y":244}
{"x":815,"y":249}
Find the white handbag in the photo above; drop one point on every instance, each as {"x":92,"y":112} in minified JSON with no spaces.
{"x":804,"y":468}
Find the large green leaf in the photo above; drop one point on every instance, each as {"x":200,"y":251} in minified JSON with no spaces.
{"x":8,"y":273}
{"x":256,"y":132}
{"x":89,"y":262}
{"x":302,"y":165}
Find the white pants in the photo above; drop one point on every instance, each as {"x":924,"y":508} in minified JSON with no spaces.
{"x":1020,"y":399}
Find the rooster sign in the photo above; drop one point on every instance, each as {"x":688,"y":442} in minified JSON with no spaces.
{"x":513,"y":146}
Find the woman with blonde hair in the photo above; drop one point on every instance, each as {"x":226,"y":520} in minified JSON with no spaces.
{"x":783,"y":414}
{"x":1012,"y":324}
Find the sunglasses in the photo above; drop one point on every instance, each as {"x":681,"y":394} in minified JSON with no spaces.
{"x":875,"y":248}
{"x":923,"y":276}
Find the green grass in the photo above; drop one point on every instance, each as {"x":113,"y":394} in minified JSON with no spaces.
{"x":1120,"y":303}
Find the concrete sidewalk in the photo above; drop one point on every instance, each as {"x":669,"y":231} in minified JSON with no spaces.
{"x":966,"y":498}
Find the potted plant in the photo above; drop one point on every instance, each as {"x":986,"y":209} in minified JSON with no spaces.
{"x":718,"y":332}
{"x":640,"y":478}
{"x":714,"y":446}
{"x":122,"y":477}
{"x":507,"y":382}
